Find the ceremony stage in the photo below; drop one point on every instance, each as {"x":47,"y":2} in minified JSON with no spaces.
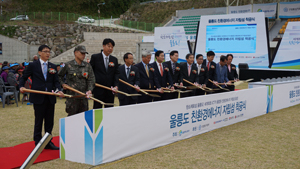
{"x":258,"y":74}
{"x":104,"y":135}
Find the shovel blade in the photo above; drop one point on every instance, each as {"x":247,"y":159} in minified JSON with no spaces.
{"x":153,"y":95}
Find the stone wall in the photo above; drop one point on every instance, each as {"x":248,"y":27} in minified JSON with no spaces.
{"x":60,"y":37}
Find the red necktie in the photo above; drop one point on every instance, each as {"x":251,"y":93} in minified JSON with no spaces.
{"x":207,"y":66}
{"x":161,"y":70}
{"x":189,"y":70}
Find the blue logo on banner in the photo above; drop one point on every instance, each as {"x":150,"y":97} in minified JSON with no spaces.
{"x":285,"y":9}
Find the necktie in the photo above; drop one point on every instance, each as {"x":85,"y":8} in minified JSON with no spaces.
{"x":45,"y":70}
{"x":207,"y":66}
{"x":229,"y":68}
{"x":147,"y":70}
{"x":189,"y":70}
{"x":199,"y":67}
{"x":106,"y":64}
{"x":161,"y":70}
{"x":173,"y":67}
{"x":128,"y":69}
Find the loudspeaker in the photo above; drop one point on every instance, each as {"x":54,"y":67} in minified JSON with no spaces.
{"x":243,"y":66}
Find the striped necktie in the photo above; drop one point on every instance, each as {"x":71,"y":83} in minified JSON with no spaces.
{"x":45,"y":70}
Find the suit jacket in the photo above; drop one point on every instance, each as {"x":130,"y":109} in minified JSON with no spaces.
{"x":145,"y":80}
{"x":232,"y":74}
{"x":34,"y":70}
{"x":166,"y":78}
{"x":184,"y":74}
{"x":133,"y":79}
{"x":203,"y":74}
{"x":109,"y":78}
{"x":221,"y":74}
{"x":176,"y":75}
{"x":212,"y":70}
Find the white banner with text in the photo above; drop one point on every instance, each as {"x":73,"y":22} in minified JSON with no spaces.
{"x":104,"y":135}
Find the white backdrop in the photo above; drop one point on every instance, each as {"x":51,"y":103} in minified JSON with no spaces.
{"x":101,"y":136}
{"x":171,"y":38}
{"x":232,"y":34}
{"x":240,"y":9}
{"x":287,"y":56}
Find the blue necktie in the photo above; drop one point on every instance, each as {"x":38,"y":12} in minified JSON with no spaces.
{"x":45,"y":70}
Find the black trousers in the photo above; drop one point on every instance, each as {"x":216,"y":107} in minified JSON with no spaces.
{"x":127,"y":101}
{"x":199,"y":92}
{"x":189,"y":94}
{"x":43,"y":112}
{"x":231,"y":87}
{"x":106,"y":97}
{"x":144,"y":98}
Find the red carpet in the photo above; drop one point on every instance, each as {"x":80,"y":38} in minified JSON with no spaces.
{"x":13,"y":157}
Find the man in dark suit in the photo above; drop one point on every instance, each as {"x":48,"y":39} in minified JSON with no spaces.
{"x":174,"y":68}
{"x":202,"y":73}
{"x":231,"y":72}
{"x":221,"y":71}
{"x":188,"y":71}
{"x":129,"y":74}
{"x":106,"y":72}
{"x":44,"y":78}
{"x":147,"y":78}
{"x":162,"y":72}
{"x":211,"y":67}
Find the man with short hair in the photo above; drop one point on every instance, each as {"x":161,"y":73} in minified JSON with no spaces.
{"x":105,"y":67}
{"x":147,"y":78}
{"x":231,"y":71}
{"x":174,"y":68}
{"x":188,"y":71}
{"x":211,"y":67}
{"x":44,"y":78}
{"x":221,"y":71}
{"x":131,"y":75}
{"x":162,"y":72}
{"x":79,"y":75}
{"x":202,"y":73}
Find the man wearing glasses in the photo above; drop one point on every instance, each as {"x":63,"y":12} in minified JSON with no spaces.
{"x":44,"y":78}
{"x":80,"y":76}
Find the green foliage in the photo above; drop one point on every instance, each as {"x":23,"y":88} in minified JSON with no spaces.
{"x":8,"y":31}
{"x":84,"y":7}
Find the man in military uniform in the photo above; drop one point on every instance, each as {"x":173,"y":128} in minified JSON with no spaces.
{"x":80,"y":76}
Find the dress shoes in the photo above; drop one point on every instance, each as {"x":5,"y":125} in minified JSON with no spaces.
{"x":51,"y":146}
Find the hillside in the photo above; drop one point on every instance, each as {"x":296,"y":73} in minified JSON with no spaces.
{"x":84,"y":7}
{"x":162,"y":12}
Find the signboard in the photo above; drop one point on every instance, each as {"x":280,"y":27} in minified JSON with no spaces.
{"x":172,"y":38}
{"x":104,"y":135}
{"x":240,"y":9}
{"x":269,"y":9}
{"x":287,"y":56}
{"x":243,"y":35}
{"x":289,"y":9}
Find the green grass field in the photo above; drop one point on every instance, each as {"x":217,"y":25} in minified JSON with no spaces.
{"x":268,"y":141}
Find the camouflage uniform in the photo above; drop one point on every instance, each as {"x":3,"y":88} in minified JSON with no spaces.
{"x":80,"y":77}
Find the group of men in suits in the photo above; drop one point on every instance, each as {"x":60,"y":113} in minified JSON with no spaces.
{"x":106,"y":71}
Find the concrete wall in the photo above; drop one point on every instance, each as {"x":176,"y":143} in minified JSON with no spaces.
{"x":124,"y":42}
{"x":14,"y":50}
